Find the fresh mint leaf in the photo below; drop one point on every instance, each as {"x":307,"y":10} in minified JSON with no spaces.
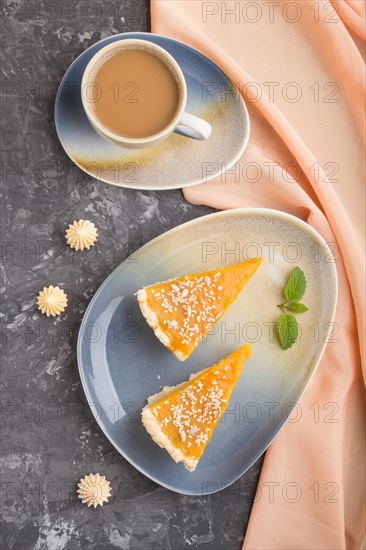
{"x":296,"y":285}
{"x":287,"y":325}
{"x":296,"y":307}
{"x":287,"y":330}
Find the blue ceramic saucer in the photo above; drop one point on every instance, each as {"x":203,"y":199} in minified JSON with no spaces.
{"x":176,"y":162}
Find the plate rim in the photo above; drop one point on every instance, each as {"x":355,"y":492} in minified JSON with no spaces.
{"x":155,"y":187}
{"x":223,"y":213}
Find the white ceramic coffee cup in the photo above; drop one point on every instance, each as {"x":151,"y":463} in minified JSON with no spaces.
{"x":183,"y":123}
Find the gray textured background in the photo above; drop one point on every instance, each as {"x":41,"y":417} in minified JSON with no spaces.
{"x":49,"y":438}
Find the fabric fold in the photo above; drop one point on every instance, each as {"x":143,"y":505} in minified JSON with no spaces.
{"x":315,"y":148}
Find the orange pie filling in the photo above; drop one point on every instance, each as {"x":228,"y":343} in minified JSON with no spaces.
{"x":182,"y":419}
{"x":184,"y":310}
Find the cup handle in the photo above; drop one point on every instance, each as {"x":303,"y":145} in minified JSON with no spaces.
{"x":193,"y":127}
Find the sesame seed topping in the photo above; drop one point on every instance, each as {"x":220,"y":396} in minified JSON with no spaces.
{"x":194,"y":411}
{"x":193,"y":430}
{"x":192,"y":301}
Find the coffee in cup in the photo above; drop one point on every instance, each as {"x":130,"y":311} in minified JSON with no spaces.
{"x":134,"y":94}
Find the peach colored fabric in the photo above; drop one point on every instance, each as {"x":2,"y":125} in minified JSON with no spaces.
{"x":310,"y":158}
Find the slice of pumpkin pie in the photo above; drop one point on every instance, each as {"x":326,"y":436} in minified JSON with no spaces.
{"x":182,"y":419}
{"x":182,"y":311}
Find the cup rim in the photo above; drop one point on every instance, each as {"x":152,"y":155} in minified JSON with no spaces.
{"x":118,"y":137}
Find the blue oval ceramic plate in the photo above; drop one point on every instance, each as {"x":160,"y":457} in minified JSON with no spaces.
{"x":176,"y":162}
{"x":121,"y":362}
